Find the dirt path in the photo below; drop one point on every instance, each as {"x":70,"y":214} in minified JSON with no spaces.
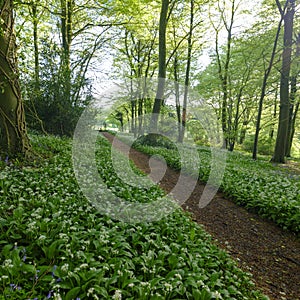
{"x":269,"y":253}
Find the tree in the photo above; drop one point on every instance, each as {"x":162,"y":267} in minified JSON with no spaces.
{"x":187,"y":72}
{"x":264,"y":86}
{"x":283,"y":123}
{"x":163,"y":20}
{"x":58,"y":89}
{"x":13,"y":133}
{"x":223,"y":68}
{"x":294,"y":102}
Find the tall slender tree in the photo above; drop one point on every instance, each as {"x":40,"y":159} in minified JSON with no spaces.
{"x":13,"y":134}
{"x":161,"y":64}
{"x":283,"y":123}
{"x":294,"y":102}
{"x":187,"y":72}
{"x":264,"y":85}
{"x":224,"y":66}
{"x":66,"y":34}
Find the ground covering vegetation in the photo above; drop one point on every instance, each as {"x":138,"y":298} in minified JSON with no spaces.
{"x":270,"y":190}
{"x":56,"y":245}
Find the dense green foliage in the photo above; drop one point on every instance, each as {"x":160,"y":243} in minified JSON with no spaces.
{"x":47,"y":107}
{"x":270,"y":190}
{"x":68,"y":49}
{"x":55,"y":244}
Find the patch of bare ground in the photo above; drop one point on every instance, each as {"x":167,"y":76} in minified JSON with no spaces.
{"x":271,"y":254}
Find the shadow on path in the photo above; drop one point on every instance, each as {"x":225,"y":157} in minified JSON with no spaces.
{"x":271,"y":254}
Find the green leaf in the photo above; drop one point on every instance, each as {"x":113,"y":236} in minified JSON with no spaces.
{"x":29,"y":268}
{"x":101,"y":291}
{"x":72,"y":294}
{"x":18,"y":212}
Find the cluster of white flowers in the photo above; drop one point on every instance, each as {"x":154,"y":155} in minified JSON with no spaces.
{"x":37,"y":214}
{"x":63,"y":236}
{"x":168,"y":286}
{"x":7,"y":264}
{"x":91,"y":292}
{"x":57,"y":296}
{"x":145,"y":283}
{"x":217,"y":295}
{"x":65,"y":267}
{"x":120,"y":273}
{"x":42,"y":237}
{"x":32,"y":226}
{"x":131,"y":285}
{"x":115,"y":251}
{"x":117,"y":295}
{"x":83,"y":266}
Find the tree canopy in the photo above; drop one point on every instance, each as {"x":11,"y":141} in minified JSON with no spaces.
{"x":244,"y":61}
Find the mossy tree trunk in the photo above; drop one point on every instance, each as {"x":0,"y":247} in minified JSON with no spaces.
{"x":13,"y":134}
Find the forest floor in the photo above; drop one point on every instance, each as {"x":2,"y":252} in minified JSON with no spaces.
{"x":260,"y":247}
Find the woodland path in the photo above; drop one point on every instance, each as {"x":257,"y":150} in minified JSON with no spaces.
{"x":260,"y":247}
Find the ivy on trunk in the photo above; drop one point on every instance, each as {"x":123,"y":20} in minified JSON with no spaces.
{"x":13,"y":134}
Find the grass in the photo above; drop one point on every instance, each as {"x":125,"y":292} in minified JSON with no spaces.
{"x":57,"y":245}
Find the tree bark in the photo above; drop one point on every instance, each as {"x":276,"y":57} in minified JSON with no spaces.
{"x":223,"y":71}
{"x":13,"y":133}
{"x":161,"y":65}
{"x":187,"y":73}
{"x":177,"y":95}
{"x":294,"y":104}
{"x":66,"y":33}
{"x":283,"y":123}
{"x":264,"y":86}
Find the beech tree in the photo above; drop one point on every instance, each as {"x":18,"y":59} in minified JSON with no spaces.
{"x":163,"y":20}
{"x":264,"y":84}
{"x":187,"y":73}
{"x":294,"y":101}
{"x":13,"y":134}
{"x":283,"y":123}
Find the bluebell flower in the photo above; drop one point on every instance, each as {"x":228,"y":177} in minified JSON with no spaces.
{"x":53,"y":270}
{"x":49,"y":295}
{"x":14,"y":286}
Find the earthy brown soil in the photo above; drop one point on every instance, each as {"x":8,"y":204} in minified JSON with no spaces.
{"x":271,"y":254}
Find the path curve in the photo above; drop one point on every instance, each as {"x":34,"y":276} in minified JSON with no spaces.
{"x":271,"y":254}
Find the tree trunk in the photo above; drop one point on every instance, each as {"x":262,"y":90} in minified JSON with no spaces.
{"x":177,"y":96}
{"x":294,"y":105}
{"x":36,"y":48}
{"x":161,"y":65}
{"x":232,"y":139}
{"x":66,"y":32}
{"x":223,"y":72}
{"x":263,"y":89}
{"x":274,"y":119}
{"x":291,"y":116}
{"x":291,"y":137}
{"x":282,"y":133}
{"x":13,"y":134}
{"x":187,"y":74}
